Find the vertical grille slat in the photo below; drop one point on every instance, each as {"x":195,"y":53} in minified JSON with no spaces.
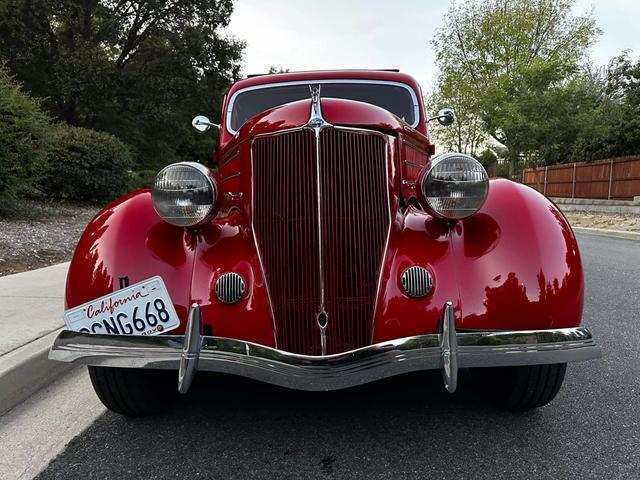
{"x":354,"y":223}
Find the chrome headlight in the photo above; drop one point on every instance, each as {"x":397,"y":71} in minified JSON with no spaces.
{"x":184,"y":194}
{"x":455,"y":186}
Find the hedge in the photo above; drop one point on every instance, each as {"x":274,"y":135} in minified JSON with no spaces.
{"x":86,"y":165}
{"x":24,"y":144}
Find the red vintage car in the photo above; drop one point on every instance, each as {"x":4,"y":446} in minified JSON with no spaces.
{"x":329,"y":247}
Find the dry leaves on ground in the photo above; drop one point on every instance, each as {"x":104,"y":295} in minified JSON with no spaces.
{"x":607,"y":221}
{"x":29,"y":244}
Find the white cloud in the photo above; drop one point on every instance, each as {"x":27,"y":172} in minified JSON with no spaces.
{"x":619,"y":21}
{"x":304,"y":35}
{"x":311,"y":35}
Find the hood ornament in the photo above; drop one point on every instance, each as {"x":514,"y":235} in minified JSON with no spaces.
{"x":316,"y":120}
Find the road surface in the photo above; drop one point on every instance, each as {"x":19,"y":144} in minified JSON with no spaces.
{"x":400,"y":428}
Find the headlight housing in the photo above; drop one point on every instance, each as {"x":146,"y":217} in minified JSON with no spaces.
{"x":185,"y":194}
{"x":455,"y":186}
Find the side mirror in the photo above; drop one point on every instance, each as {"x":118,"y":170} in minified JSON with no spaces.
{"x":445,"y":117}
{"x":202,"y":124}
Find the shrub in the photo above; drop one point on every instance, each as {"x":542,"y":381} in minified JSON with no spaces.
{"x":489,"y":161}
{"x":86,"y":165}
{"x":142,"y":179}
{"x":24,"y":144}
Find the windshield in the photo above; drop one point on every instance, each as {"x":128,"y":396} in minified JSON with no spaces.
{"x":394,"y":98}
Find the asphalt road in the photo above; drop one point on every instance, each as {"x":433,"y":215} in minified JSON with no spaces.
{"x":401,"y":428}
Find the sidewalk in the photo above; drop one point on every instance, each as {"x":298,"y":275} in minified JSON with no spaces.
{"x":31,"y":306}
{"x":608,"y":233}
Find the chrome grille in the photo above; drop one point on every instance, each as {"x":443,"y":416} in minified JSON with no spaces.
{"x":354,"y":224}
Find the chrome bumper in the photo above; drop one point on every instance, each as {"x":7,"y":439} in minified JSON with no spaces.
{"x":447,"y":351}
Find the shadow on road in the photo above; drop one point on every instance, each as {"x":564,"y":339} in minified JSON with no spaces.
{"x":229,"y":427}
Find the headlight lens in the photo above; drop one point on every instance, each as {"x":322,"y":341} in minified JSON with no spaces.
{"x":455,"y":186}
{"x":184,"y":194}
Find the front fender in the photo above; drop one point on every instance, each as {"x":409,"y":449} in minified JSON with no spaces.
{"x":521,"y":263}
{"x":514,"y":265}
{"x":128,"y":239}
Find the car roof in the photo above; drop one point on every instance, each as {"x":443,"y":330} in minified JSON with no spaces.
{"x":385,"y":75}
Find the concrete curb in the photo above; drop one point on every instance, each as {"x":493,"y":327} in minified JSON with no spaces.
{"x":595,"y":201}
{"x":27,"y":369}
{"x":608,"y":233}
{"x":598,"y":205}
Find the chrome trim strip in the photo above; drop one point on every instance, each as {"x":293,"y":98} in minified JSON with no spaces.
{"x":317,"y":124}
{"x":230,"y":176}
{"x":329,"y":372}
{"x":415,"y":147}
{"x":414,"y":97}
{"x":229,"y":158}
{"x":413,"y":164}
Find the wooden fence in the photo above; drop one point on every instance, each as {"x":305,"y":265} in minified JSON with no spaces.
{"x":614,"y":178}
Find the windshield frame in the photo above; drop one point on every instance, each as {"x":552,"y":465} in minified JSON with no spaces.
{"x":414,"y":97}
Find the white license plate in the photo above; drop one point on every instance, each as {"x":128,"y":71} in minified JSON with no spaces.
{"x":143,"y":308}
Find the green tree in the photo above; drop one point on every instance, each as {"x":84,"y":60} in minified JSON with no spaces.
{"x":24,"y":143}
{"x":280,"y":69}
{"x":613,"y":129}
{"x":514,"y":56}
{"x":545,"y":123}
{"x":468,"y":133}
{"x":489,"y":161}
{"x":139,"y":69}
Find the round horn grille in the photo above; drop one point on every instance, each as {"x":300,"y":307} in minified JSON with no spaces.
{"x":230,"y":287}
{"x":416,"y":281}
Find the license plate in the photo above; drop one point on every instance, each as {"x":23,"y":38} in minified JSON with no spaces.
{"x":143,"y":308}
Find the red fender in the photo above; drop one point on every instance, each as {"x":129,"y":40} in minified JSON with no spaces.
{"x":128,"y":239}
{"x":514,"y":265}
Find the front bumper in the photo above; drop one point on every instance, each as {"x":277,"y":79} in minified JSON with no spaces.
{"x":447,"y":351}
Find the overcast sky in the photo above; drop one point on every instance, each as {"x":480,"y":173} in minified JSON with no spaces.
{"x":311,"y":35}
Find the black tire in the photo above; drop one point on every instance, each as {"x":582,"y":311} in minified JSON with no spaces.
{"x":521,"y":388}
{"x":134,"y":392}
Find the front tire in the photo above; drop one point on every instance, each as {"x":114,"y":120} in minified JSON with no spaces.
{"x":134,"y":392}
{"x":521,"y":388}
